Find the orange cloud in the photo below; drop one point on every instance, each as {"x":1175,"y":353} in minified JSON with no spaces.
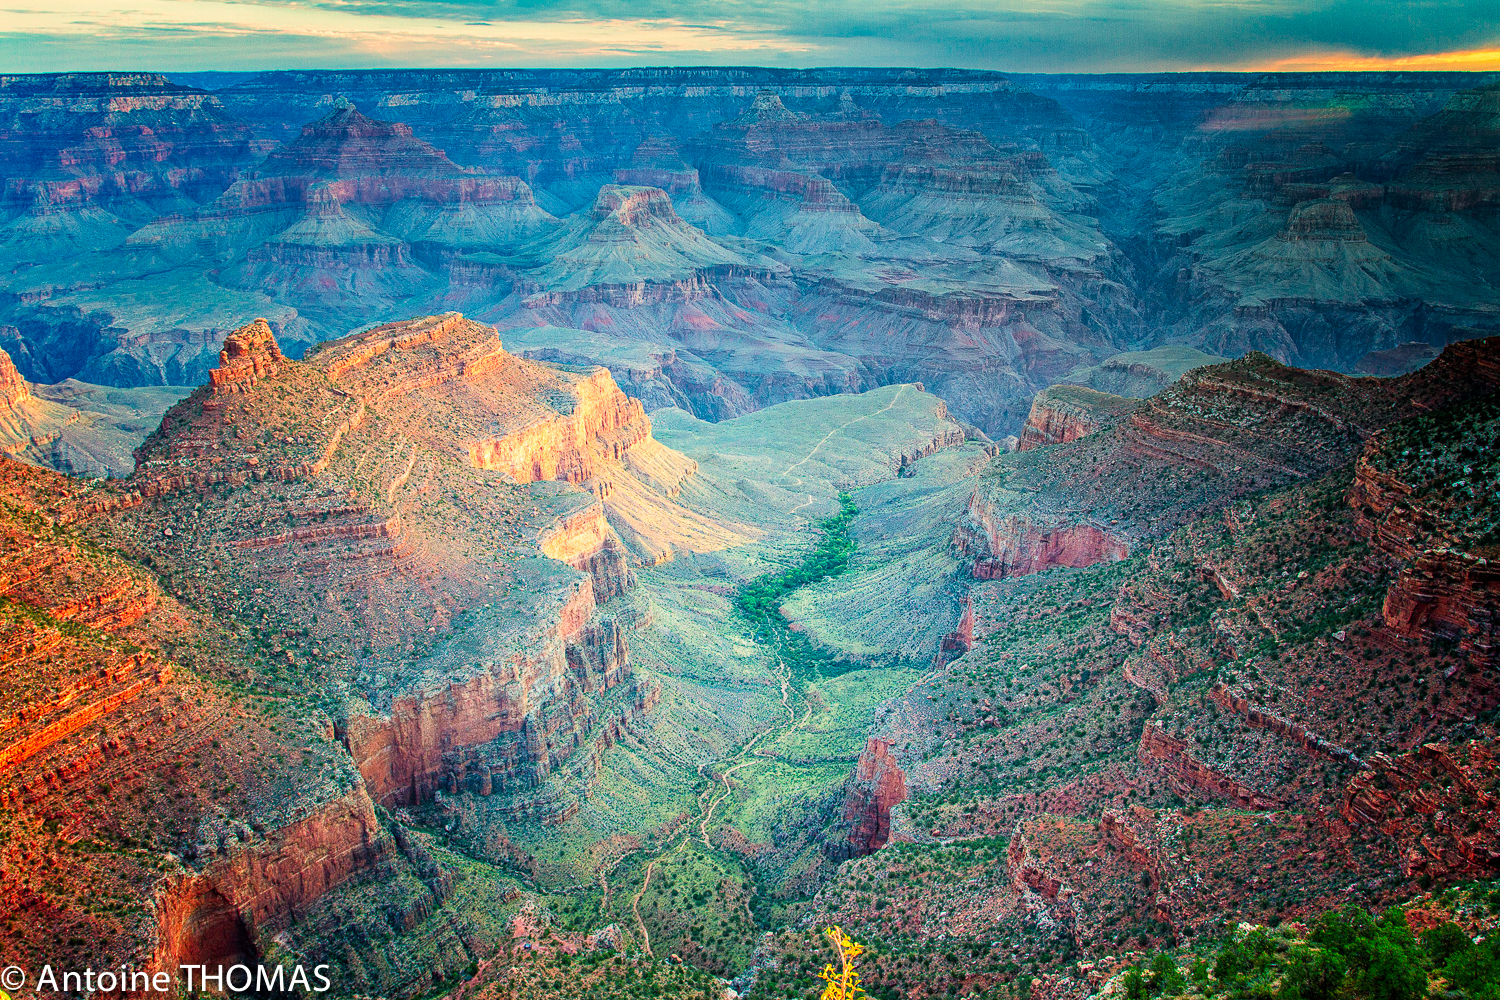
{"x":1477,"y":60}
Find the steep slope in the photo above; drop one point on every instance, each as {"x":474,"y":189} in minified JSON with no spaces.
{"x":1282,"y":706}
{"x":1336,"y":234}
{"x":88,"y":157}
{"x":73,"y":427}
{"x":126,"y":773}
{"x":633,"y":278}
{"x":387,"y":555}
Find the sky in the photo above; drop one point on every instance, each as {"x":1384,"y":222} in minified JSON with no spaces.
{"x":1035,"y":36}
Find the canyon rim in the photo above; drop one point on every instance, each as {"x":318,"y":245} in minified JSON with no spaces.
{"x":501,"y":533}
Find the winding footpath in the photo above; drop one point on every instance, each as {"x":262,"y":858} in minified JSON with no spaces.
{"x":783,"y":676}
{"x":787,"y":472}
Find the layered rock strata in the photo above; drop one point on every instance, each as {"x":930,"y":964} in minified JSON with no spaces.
{"x":876,"y":786}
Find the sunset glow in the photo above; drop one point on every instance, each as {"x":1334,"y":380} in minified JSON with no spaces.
{"x":1470,"y":60}
{"x":1093,"y":36}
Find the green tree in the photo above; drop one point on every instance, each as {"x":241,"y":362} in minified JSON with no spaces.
{"x":1444,"y":941}
{"x":1342,"y":930}
{"x":1389,"y":965}
{"x":1244,"y":956}
{"x":1476,"y":969}
{"x":1313,"y":974}
{"x":1165,"y":979}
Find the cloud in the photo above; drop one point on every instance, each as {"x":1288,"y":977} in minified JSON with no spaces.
{"x":1019,"y":35}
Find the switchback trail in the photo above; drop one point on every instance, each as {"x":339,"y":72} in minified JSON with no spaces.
{"x":706,"y":812}
{"x":721,"y":786}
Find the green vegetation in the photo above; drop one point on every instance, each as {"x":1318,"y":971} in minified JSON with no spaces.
{"x":1348,"y":954}
{"x":1450,"y":460}
{"x":759,"y":599}
{"x":761,"y":596}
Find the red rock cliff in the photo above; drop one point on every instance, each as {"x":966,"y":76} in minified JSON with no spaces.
{"x":998,"y":545}
{"x":604,"y":421}
{"x":875,"y":788}
{"x":249,"y":355}
{"x":249,"y":891}
{"x":1065,"y":413}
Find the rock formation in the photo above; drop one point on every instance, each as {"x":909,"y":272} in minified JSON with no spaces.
{"x":249,"y":355}
{"x":1065,"y":413}
{"x":513,"y":686}
{"x":1436,"y":803}
{"x":1003,"y":546}
{"x":853,"y":229}
{"x":876,"y":786}
{"x":246,"y":847}
{"x":397,"y":634}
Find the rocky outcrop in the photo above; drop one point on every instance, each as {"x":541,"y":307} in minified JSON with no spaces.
{"x":1452,"y":595}
{"x":251,"y":887}
{"x":601,"y":421}
{"x":1065,"y":413}
{"x":514,"y":705}
{"x":1438,"y":806}
{"x":13,"y":388}
{"x":585,"y":541}
{"x":1189,"y":776}
{"x":876,"y":787}
{"x":249,"y":355}
{"x":997,"y":545}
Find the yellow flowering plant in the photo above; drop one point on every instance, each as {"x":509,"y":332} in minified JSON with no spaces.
{"x":843,"y":982}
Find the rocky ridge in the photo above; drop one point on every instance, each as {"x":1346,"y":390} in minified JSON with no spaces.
{"x":516,"y":698}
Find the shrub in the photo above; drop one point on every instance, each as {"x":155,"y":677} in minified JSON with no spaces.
{"x":1444,"y":941}
{"x":1313,"y":974}
{"x":1476,"y":969}
{"x":1244,"y":956}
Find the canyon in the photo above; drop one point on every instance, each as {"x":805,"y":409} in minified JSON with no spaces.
{"x":496,"y":531}
{"x":724,"y":240}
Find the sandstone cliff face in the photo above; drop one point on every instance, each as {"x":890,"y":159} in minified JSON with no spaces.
{"x":876,"y":787}
{"x":1065,"y":413}
{"x":226,"y":912}
{"x":506,"y":724}
{"x":1450,"y":595}
{"x":997,"y":545}
{"x":13,"y":388}
{"x":586,"y":542}
{"x":1437,"y":805}
{"x":603,"y":420}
